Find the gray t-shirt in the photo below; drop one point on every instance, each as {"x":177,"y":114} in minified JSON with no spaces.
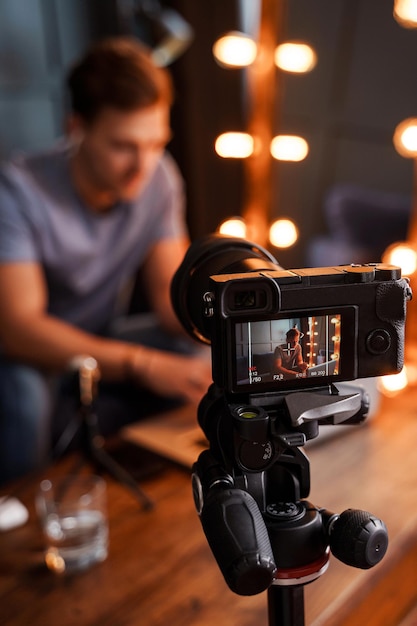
{"x":87,"y":258}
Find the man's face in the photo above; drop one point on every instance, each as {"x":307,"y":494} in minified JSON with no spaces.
{"x":118,"y":151}
{"x":292,"y":339}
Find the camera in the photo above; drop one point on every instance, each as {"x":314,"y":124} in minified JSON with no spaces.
{"x":275,"y":330}
{"x":281,"y":340}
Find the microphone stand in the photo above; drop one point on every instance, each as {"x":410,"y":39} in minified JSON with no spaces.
{"x":92,"y":442}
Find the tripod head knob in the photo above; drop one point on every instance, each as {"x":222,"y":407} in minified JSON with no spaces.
{"x":358,"y":538}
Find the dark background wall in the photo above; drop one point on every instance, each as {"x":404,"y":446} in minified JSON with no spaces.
{"x":365,"y":83}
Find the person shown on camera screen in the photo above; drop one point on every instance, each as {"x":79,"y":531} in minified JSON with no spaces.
{"x":288,"y":357}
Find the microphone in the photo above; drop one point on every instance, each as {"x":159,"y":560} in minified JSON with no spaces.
{"x":88,"y":377}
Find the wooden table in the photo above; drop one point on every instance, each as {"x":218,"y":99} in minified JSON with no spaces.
{"x":160,"y":571}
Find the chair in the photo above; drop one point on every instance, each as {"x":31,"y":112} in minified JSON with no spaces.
{"x":361,"y":224}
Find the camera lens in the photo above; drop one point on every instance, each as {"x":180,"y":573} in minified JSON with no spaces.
{"x":215,"y":254}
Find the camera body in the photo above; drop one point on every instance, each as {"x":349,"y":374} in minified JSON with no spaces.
{"x":350,"y":323}
{"x":280,"y":339}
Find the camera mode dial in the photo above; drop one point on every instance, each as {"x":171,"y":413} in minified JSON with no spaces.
{"x":368,"y":272}
{"x":357,"y":273}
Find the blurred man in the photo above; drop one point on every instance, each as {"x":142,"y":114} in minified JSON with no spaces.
{"x":76,"y":224}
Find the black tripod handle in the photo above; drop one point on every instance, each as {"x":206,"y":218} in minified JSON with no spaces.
{"x":239,"y":540}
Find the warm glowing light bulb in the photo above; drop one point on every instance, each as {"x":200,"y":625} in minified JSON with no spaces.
{"x":403,"y":255}
{"x":405,"y":12}
{"x":391,"y":385}
{"x":405,"y":138}
{"x":234,"y":227}
{"x":235,"y":50}
{"x":289,"y":148}
{"x":283,"y":233}
{"x":234,"y":145}
{"x":295,"y":57}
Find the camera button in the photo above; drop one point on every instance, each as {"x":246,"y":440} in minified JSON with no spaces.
{"x":378,"y":341}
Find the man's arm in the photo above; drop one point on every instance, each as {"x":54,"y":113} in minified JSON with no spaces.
{"x":29,"y":334}
{"x":302,"y":366}
{"x":299,"y":355}
{"x":158,"y":271}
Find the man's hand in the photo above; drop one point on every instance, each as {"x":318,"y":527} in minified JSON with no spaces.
{"x":171,"y":375}
{"x":29,"y":334}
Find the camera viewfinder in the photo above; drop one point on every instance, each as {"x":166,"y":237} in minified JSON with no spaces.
{"x":248,"y":300}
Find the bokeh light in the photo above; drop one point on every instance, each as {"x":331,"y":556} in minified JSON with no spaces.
{"x":235,"y":49}
{"x":283,"y":233}
{"x":393,"y":384}
{"x":234,"y":227}
{"x":405,"y":12}
{"x":405,"y":138}
{"x":295,"y":57}
{"x":289,"y":148}
{"x":234,"y":145}
{"x":403,"y":255}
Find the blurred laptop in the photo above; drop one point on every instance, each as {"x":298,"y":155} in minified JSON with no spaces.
{"x":174,"y":435}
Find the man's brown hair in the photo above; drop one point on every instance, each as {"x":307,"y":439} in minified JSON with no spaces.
{"x":117,"y":72}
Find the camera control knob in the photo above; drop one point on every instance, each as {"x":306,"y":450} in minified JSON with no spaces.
{"x":285,"y":510}
{"x":358,"y":538}
{"x":356,"y":273}
{"x":378,"y":341}
{"x":387,"y":272}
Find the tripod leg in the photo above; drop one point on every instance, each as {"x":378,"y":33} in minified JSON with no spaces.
{"x":65,"y":439}
{"x":92,"y":442}
{"x":286,"y":605}
{"x":101,"y":457}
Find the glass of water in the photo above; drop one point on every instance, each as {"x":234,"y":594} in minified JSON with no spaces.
{"x":73,"y":516}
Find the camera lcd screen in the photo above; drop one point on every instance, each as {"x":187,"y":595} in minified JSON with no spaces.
{"x":290,"y":352}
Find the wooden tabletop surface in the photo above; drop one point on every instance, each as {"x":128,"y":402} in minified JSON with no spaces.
{"x":160,"y":571}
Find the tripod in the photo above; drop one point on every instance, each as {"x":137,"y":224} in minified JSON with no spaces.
{"x":92,"y":443}
{"x":250,"y":488}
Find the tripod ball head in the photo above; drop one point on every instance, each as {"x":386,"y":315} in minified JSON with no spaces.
{"x":358,"y":538}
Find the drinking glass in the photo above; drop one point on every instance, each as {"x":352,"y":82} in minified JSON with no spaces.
{"x":73,"y":515}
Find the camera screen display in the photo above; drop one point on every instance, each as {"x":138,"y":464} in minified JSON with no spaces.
{"x":288,"y":352}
